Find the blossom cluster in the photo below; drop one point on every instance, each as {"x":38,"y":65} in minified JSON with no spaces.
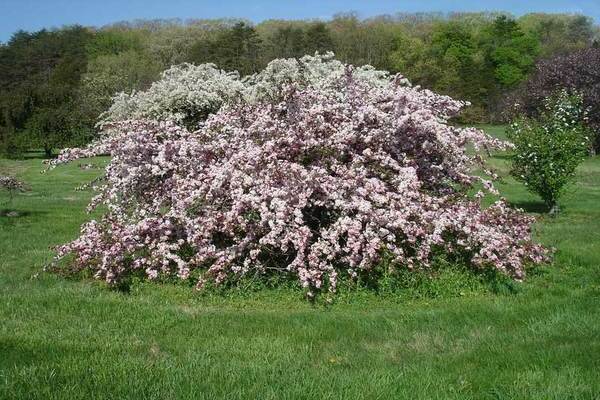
{"x":11,"y":183}
{"x":313,"y":168}
{"x":185,"y":93}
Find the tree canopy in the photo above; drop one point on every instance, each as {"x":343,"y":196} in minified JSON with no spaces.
{"x":54,"y":84}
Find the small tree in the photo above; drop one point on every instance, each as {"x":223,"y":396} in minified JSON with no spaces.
{"x":12,"y":185}
{"x":549,"y":148}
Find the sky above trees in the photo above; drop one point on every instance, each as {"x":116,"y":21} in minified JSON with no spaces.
{"x":36,"y":14}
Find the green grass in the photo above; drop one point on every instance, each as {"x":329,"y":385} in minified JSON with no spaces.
{"x":65,"y":338}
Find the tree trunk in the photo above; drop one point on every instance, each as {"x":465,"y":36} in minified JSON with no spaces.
{"x":48,"y":151}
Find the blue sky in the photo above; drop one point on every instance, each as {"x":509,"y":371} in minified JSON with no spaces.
{"x":37,"y":14}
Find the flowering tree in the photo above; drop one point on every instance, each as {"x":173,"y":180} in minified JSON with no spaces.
{"x":549,"y":148}
{"x":313,"y":168}
{"x":12,"y":186}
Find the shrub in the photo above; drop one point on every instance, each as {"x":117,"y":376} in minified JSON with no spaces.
{"x":549,"y":148}
{"x":316,"y":169}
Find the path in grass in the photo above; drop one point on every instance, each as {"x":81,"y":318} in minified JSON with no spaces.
{"x":69,"y":339}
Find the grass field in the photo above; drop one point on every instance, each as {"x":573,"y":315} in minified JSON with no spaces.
{"x":76,"y":339}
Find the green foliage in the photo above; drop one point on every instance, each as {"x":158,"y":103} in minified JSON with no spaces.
{"x":289,"y":42}
{"x":109,"y":74}
{"x":113,"y":42}
{"x":549,"y":149}
{"x":362,"y":42}
{"x":409,"y":56}
{"x":474,"y":61}
{"x":559,"y":33}
{"x":318,"y":38}
{"x":509,"y":51}
{"x":234,"y":49}
{"x":38,"y":90}
{"x":241,"y":48}
{"x":477,"y":57}
{"x":455,"y":50}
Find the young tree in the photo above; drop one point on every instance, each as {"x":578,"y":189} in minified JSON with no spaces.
{"x":549,"y":148}
{"x":12,"y":185}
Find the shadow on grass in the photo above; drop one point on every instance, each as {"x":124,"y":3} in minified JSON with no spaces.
{"x":32,"y":155}
{"x":537,"y":207}
{"x":38,"y":155}
{"x":18,"y":352}
{"x":502,"y":156}
{"x":9,"y":213}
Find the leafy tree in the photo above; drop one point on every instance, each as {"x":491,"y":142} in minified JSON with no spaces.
{"x":448,"y":61}
{"x":410,"y":58}
{"x":454,"y":50}
{"x":171,"y":43}
{"x":109,"y":74}
{"x":549,"y":148}
{"x":233,"y":49}
{"x":559,"y":33}
{"x":318,"y":38}
{"x":49,"y":128}
{"x":43,"y":72}
{"x":290,"y":42}
{"x":580,"y":30}
{"x":363,"y":42}
{"x":113,"y":42}
{"x":509,"y":51}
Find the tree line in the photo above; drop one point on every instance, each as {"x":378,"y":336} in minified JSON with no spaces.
{"x":55,"y":83}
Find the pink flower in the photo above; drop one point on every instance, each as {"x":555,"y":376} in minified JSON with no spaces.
{"x":315,"y":167}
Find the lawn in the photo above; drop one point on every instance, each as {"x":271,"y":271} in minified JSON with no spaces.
{"x":74,"y":338}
